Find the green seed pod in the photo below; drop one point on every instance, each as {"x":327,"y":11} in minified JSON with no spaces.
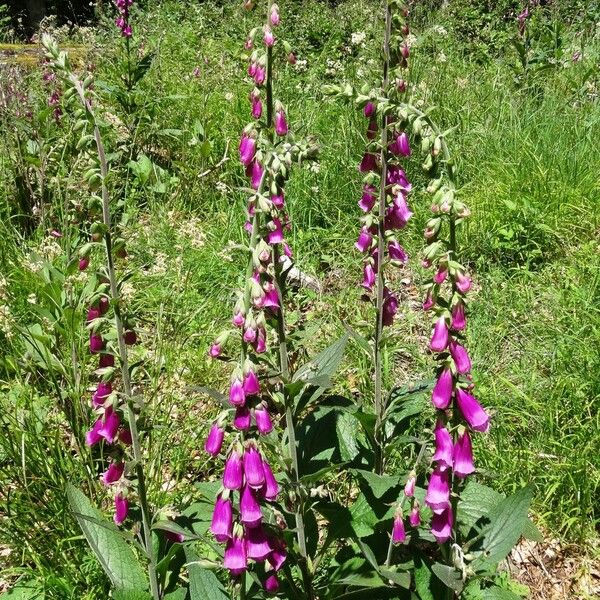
{"x":428,"y":163}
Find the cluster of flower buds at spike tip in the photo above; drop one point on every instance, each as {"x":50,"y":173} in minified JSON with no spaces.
{"x":122,"y":21}
{"x":267,"y":152}
{"x":459,"y":413}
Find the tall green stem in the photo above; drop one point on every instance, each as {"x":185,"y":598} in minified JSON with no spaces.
{"x":379,"y":402}
{"x":283,"y":357}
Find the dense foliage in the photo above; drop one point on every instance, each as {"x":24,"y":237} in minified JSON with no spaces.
{"x":127,"y":224}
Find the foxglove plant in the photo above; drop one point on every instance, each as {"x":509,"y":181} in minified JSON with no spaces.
{"x":267,"y":150}
{"x":116,"y":412}
{"x":459,"y":414}
{"x":384,"y":197}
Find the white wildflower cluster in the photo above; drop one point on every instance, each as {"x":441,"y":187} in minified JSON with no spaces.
{"x":333,"y":67}
{"x":439,"y":30}
{"x":301,"y":65}
{"x":358,"y":38}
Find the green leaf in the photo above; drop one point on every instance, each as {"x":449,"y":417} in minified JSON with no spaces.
{"x":204,"y":584}
{"x":324,"y":365}
{"x":346,"y":427}
{"x":116,"y":557}
{"x":479,"y":501}
{"x":400,"y":578}
{"x":506,"y":525}
{"x":378,"y":484}
{"x":178,"y":594}
{"x":131,"y":595}
{"x":26,"y":590}
{"x":497,"y":593}
{"x":449,"y":576}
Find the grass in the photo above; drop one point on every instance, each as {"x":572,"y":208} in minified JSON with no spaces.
{"x":529,"y":168}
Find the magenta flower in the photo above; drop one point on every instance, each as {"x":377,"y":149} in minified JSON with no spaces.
{"x":438,"y":491}
{"x":368,"y":277}
{"x":443,"y":447}
{"x":275,"y":235}
{"x":109,"y":425}
{"x":233,"y":474}
{"x":463,"y":456}
{"x":441,"y":525}
{"x":253,"y":467}
{"x":242,"y":419}
{"x":113,"y":473}
{"x":397,"y":176}
{"x":459,"y":322}
{"x":237,"y":396}
{"x":364,"y":240}
{"x":214,"y":441}
{"x":368,"y":199}
{"x":368,"y":163}
{"x":257,"y":545}
{"x":442,"y":391}
{"x":372,"y":129}
{"x":398,"y":532}
{"x":281,"y":126}
{"x":403,"y":144}
{"x":397,"y":252}
{"x":121,"y":508}
{"x":428,"y":302}
{"x":130,"y":337}
{"x":257,"y":108}
{"x":247,"y":149}
{"x":460,"y":357}
{"x":274,"y":16}
{"x":235,"y":558}
{"x":369,"y":110}
{"x":250,"y":513}
{"x":463,"y":282}
{"x":272,"y":584}
{"x":96,"y":343}
{"x":268,"y":38}
{"x":222,"y":519}
{"x":263,"y":420}
{"x":415,"y":516}
{"x":257,"y":175}
{"x":103,"y":391}
{"x":215,"y":350}
{"x":251,"y":384}
{"x":398,"y":214}
{"x":441,"y":275}
{"x":390,"y":307}
{"x":278,"y":554}
{"x":439,"y":339}
{"x":278,"y":199}
{"x":84,"y":263}
{"x":471,"y":410}
{"x":271,"y":489}
{"x":409,"y":488}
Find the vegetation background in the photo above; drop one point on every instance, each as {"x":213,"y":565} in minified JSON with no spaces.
{"x":527,"y":119}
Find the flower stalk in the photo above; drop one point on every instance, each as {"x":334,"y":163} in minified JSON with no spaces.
{"x":105,"y":399}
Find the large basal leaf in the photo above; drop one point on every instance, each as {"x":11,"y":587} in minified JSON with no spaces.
{"x":204,"y":584}
{"x":112,"y":551}
{"x":496,"y":593}
{"x":27,"y":590}
{"x":449,"y":576}
{"x":477,"y":501}
{"x":323,"y":366}
{"x":506,"y":525}
{"x":131,"y":595}
{"x":378,"y":484}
